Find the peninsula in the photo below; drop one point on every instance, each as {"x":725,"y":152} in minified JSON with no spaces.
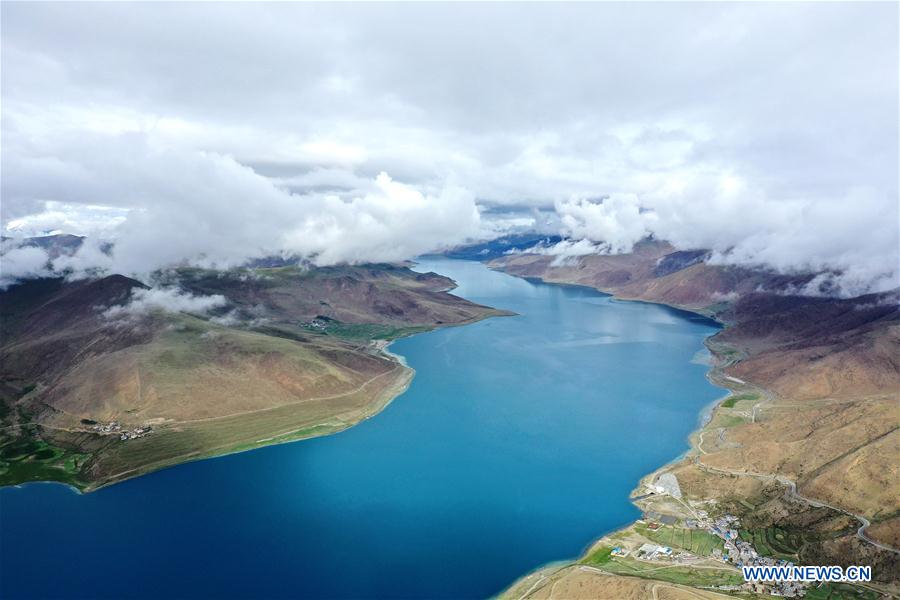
{"x":105,"y":379}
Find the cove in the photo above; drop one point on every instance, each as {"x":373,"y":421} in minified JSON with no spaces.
{"x":516,"y":445}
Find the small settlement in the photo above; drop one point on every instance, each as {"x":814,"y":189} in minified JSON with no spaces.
{"x":735,"y":550}
{"x":115,"y":428}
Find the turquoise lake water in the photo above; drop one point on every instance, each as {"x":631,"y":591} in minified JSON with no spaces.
{"x":517,"y":444}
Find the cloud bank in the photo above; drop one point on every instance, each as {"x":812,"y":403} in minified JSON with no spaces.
{"x":855,"y":237}
{"x":144,"y":301}
{"x":23,"y":263}
{"x":185,"y":206}
{"x":718,"y":125}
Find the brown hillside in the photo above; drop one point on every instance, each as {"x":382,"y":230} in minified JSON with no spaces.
{"x":831,"y":368}
{"x":290,"y":355}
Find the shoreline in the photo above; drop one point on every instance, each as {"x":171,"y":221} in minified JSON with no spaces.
{"x":373,"y":409}
{"x":715,"y":375}
{"x":735,"y":387}
{"x":333,"y":426}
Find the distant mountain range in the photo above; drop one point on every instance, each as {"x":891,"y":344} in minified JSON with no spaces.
{"x":502,"y":245}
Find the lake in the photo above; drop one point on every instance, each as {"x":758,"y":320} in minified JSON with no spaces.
{"x":517,"y":444}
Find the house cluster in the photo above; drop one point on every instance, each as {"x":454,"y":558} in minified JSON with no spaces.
{"x":135,"y":433}
{"x":115,"y":428}
{"x":784,"y":589}
{"x":742,"y":553}
{"x":653,"y":552}
{"x":736,"y":551}
{"x":725,"y":527}
{"x":106,"y":428}
{"x":316,"y":324}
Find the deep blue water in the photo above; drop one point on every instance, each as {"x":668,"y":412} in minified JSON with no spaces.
{"x":516,"y":445}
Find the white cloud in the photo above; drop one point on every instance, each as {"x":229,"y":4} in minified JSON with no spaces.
{"x":170,"y":205}
{"x":616,"y":221}
{"x":855,"y":236}
{"x":23,"y":263}
{"x":854,"y":232}
{"x":89,"y":260}
{"x":392,"y":222}
{"x":75,"y":219}
{"x":165,"y":299}
{"x":567,"y":252}
{"x":729,"y":126}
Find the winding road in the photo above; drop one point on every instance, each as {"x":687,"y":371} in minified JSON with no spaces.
{"x":792,"y":491}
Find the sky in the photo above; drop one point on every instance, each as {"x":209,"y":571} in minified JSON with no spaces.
{"x":211,"y":133}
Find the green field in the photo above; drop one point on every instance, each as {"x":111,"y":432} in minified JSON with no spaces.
{"x":730,"y":401}
{"x":29,"y":458}
{"x":840,"y":591}
{"x":774,"y":541}
{"x":691,"y":576}
{"x":600,"y":556}
{"x":723,"y":420}
{"x":695,"y":541}
{"x":370,"y":331}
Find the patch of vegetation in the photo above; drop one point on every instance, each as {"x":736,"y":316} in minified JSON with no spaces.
{"x":774,"y":541}
{"x":600,"y":556}
{"x":840,"y":591}
{"x":716,"y":308}
{"x":695,"y":541}
{"x":730,"y":355}
{"x":300,"y":434}
{"x":726,"y":421}
{"x":675,"y":574}
{"x":24,"y":459}
{"x":371,"y":331}
{"x":361,"y":331}
{"x":732,"y":400}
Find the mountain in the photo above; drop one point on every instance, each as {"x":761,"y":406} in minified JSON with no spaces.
{"x":767,"y":322}
{"x":502,"y":245}
{"x":56,"y":245}
{"x":815,"y":384}
{"x":98,"y":385}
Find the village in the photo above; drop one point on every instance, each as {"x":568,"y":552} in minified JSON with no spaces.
{"x":315,"y":325}
{"x":115,"y":428}
{"x":734,"y":550}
